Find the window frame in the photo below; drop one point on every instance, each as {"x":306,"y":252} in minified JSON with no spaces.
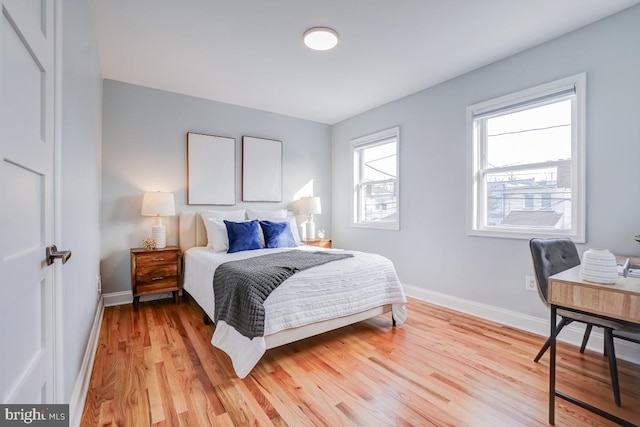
{"x":568,"y":87}
{"x":369,"y":141}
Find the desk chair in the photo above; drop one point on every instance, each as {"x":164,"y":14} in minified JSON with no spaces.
{"x":552,"y":256}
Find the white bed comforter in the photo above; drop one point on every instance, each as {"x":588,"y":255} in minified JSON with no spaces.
{"x":337,"y":289}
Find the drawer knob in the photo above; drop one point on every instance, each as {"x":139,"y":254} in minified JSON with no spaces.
{"x":158,"y":278}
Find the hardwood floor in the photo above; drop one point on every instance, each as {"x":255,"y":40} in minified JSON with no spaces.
{"x":441,"y":368}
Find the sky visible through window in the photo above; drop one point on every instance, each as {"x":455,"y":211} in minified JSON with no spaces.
{"x":531,"y":136}
{"x":380,"y":162}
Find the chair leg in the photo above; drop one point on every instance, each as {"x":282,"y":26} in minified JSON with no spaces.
{"x":587,"y":332}
{"x":613,"y":366}
{"x":563,"y":322}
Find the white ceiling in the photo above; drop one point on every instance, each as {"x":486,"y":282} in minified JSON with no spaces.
{"x":250,"y":52}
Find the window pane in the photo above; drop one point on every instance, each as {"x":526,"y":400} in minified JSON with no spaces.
{"x":379,"y":162}
{"x":531,"y":136}
{"x":536,"y":198}
{"x":528,"y":201}
{"x":378,"y":186}
{"x":380,"y":203}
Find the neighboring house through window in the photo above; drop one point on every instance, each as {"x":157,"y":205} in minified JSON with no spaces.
{"x":375,"y":180}
{"x":527,"y":153}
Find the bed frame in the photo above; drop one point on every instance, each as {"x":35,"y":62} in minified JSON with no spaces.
{"x":193,"y":233}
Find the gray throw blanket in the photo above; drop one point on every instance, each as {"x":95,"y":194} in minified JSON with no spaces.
{"x":241,"y":287}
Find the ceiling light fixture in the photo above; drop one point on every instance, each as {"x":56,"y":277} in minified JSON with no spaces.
{"x":320,"y":38}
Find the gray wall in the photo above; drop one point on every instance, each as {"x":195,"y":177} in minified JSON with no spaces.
{"x":80,"y":187}
{"x":432,"y":250}
{"x":144,"y":149}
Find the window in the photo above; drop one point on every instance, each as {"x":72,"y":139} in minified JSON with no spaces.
{"x":527,"y":154}
{"x":375,"y":180}
{"x":528,"y":201}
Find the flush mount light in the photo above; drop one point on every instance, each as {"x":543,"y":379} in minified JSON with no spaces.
{"x":320,"y":38}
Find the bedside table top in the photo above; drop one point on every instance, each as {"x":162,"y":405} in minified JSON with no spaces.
{"x":321,"y":243}
{"x":143,"y":250}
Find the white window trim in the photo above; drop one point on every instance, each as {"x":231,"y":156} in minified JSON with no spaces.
{"x":372,"y":140}
{"x":578,"y":194}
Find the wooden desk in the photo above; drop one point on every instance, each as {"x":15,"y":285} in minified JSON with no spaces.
{"x":620,"y":301}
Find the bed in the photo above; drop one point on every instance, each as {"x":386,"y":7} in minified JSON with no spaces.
{"x":308,"y":303}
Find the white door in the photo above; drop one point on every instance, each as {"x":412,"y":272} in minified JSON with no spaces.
{"x":26,"y":200}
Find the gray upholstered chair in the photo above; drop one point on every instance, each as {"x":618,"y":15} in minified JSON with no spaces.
{"x":552,"y":256}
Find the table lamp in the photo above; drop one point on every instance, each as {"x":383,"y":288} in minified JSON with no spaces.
{"x":310,"y":206}
{"x":158,"y":204}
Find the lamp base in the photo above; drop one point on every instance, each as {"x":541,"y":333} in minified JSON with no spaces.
{"x":310,"y":230}
{"x":159,"y":234}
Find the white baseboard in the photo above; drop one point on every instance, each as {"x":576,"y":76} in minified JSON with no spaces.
{"x":79,"y":395}
{"x":126,"y":297}
{"x":570,"y":334}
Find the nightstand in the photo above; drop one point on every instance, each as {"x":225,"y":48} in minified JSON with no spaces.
{"x":323,"y":243}
{"x":154,"y":271}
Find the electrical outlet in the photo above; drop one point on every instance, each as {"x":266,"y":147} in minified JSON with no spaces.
{"x":529,"y":283}
{"x":99,"y":284}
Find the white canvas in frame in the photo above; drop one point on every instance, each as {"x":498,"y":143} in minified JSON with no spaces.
{"x":261,"y":170}
{"x":211,"y":170}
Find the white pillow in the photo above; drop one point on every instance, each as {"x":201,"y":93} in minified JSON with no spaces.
{"x":231,"y":215}
{"x":217,"y":238}
{"x":267,"y":215}
{"x":294,"y":228}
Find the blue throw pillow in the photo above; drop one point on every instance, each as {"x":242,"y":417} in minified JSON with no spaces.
{"x":243,"y":236}
{"x":277,"y":234}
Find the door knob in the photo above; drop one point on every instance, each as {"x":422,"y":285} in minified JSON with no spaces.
{"x":53,"y":253}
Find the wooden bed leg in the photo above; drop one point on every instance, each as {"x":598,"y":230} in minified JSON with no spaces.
{"x":393,"y":321}
{"x":206,"y":319}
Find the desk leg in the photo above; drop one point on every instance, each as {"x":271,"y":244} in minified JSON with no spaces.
{"x":552,"y":367}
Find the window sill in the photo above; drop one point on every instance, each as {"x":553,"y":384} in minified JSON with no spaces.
{"x":526,"y":234}
{"x":377,"y":226}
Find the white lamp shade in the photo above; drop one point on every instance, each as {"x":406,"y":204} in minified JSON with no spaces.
{"x":310,"y":205}
{"x":158,"y":204}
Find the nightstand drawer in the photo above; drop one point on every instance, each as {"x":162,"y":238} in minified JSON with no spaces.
{"x":154,"y":274}
{"x":156,"y":258}
{"x":164,"y":285}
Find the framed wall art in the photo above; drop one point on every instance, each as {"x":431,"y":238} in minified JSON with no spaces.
{"x":211,"y":169}
{"x":261,"y":170}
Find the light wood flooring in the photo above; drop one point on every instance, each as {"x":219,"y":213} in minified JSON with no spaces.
{"x":441,"y":368}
